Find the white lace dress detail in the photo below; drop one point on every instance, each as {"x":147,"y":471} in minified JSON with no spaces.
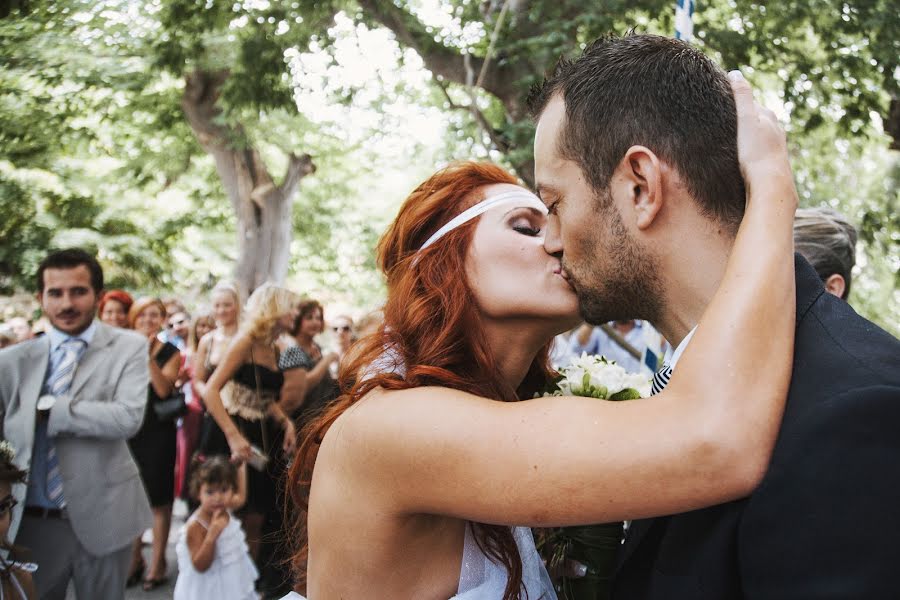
{"x":231,"y":574}
{"x":480,"y":578}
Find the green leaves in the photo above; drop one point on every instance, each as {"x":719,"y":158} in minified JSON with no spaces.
{"x":95,"y":145}
{"x":24,"y":235}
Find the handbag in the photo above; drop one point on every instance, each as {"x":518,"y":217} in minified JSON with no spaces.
{"x":171,"y":408}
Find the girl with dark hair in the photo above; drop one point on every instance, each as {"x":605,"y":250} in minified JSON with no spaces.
{"x":15,"y":576}
{"x":213,"y":558}
{"x":422,"y":480}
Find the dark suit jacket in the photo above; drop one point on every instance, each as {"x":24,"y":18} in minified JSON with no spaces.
{"x":825,"y":521}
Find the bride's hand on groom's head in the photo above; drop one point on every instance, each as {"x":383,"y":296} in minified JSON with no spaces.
{"x":761,"y":140}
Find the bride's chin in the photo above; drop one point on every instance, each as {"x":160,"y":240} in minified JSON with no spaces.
{"x":566,"y":320}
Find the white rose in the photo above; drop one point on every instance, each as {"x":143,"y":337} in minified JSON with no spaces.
{"x":639,"y":382}
{"x":575,"y":379}
{"x":610,"y":376}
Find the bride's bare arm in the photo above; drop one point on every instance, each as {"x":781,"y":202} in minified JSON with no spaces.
{"x":555,"y":461}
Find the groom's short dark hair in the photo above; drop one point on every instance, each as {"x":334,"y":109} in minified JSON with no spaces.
{"x":657,"y":92}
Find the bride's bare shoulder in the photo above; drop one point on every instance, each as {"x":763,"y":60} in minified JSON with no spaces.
{"x":383,"y":407}
{"x":376,"y":409}
{"x":386,"y":421}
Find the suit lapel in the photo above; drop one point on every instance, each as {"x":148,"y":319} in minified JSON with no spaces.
{"x":93,"y":358}
{"x":35,"y":361}
{"x":809,"y":289}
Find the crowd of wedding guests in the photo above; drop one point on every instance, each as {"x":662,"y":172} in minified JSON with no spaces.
{"x":260,"y":363}
{"x":234,"y":380}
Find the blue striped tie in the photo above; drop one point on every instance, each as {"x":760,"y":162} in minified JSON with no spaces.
{"x":58,"y":384}
{"x":660,"y":380}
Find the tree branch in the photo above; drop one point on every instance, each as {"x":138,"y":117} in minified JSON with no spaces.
{"x":497,"y":140}
{"x":201,"y":92}
{"x":439,"y":59}
{"x":892,"y":123}
{"x":298,"y":168}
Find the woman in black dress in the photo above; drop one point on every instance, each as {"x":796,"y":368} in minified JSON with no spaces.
{"x":242,"y":397}
{"x":153,"y":446}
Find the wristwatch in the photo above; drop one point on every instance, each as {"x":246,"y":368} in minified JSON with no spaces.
{"x":46,"y":402}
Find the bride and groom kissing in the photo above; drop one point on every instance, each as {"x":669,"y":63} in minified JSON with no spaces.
{"x":665,"y":194}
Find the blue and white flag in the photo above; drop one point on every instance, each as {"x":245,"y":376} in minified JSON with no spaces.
{"x":653,"y":348}
{"x":684,"y":20}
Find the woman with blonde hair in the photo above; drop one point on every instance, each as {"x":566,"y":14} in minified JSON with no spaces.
{"x":242,"y":396}
{"x":153,"y":446}
{"x":226,"y":311}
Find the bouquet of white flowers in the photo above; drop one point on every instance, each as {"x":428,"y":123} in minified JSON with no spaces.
{"x":582,"y":558}
{"x":596,"y":377}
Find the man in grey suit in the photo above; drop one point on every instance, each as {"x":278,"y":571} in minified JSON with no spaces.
{"x":68,"y":402}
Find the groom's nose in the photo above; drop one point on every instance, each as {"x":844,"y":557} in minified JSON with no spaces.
{"x":552,"y":239}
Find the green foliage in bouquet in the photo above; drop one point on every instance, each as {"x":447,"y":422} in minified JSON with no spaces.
{"x":581,"y":558}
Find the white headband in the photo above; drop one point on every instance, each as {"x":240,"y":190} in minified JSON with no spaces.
{"x":526,"y":199}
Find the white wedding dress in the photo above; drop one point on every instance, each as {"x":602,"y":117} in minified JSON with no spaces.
{"x":480,"y":578}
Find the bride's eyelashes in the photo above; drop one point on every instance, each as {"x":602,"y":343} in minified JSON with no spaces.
{"x":527,"y":221}
{"x":529,"y":231}
{"x":526,"y":224}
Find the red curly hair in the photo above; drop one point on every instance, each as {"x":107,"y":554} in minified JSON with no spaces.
{"x":425,"y":293}
{"x":120,"y":296}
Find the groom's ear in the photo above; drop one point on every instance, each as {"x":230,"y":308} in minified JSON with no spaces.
{"x":642,"y":173}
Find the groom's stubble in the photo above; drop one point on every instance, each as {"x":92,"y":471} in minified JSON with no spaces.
{"x":616,"y":278}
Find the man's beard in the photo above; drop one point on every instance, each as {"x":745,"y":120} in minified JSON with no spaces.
{"x":621,"y":282}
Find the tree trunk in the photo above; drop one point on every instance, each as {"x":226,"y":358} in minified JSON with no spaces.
{"x":263,"y":210}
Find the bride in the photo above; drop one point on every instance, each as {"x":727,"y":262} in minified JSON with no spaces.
{"x":422,"y":480}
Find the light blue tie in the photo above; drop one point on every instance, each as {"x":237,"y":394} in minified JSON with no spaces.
{"x":59,"y":383}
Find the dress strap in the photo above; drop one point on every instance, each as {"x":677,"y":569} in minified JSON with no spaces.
{"x":203,"y":523}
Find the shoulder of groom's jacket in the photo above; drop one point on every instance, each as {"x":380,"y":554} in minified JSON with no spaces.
{"x":847,"y":341}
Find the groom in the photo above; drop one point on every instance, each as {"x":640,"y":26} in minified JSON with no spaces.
{"x":636,"y":159}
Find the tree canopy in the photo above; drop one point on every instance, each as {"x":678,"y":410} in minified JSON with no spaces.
{"x":183,"y":140}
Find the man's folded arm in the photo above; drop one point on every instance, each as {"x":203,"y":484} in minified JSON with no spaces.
{"x":117,"y":418}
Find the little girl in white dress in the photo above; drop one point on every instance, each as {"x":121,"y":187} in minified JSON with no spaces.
{"x":213,"y":559}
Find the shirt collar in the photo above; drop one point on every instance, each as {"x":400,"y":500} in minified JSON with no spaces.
{"x":57,"y":337}
{"x":681,"y":348}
